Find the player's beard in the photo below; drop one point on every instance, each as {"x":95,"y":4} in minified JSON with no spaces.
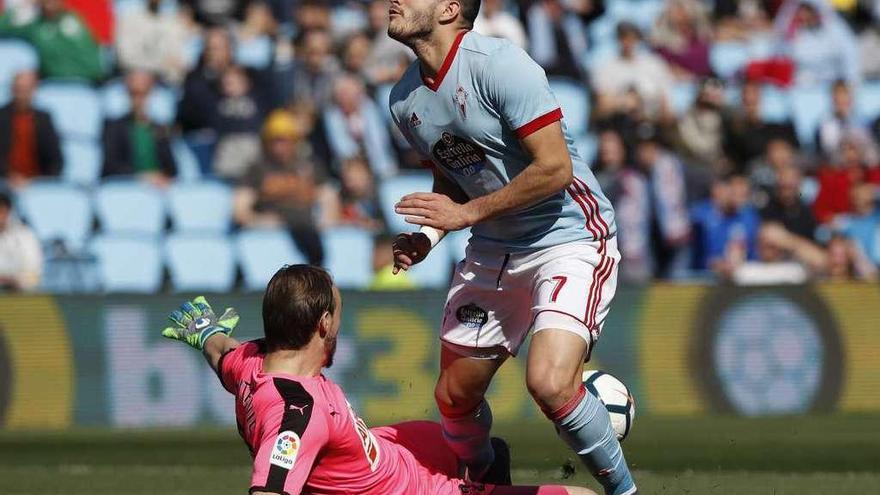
{"x":413,"y":27}
{"x":331,"y":352}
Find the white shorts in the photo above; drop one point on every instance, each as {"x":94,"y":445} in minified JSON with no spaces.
{"x":496,"y":299}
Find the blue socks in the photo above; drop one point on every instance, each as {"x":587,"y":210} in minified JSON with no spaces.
{"x":584,"y":425}
{"x":468,"y":437}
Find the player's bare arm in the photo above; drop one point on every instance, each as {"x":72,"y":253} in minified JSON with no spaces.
{"x":549,"y":173}
{"x":216,"y":347}
{"x":411,"y":248}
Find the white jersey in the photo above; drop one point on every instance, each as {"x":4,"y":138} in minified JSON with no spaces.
{"x":487,"y":96}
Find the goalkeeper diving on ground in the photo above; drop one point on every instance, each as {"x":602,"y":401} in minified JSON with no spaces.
{"x":303,"y":435}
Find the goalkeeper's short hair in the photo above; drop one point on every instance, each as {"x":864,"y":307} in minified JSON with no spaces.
{"x":295,"y":299}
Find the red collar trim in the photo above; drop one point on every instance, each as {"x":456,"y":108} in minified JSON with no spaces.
{"x":447,"y":63}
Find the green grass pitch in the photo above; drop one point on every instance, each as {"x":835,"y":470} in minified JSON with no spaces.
{"x":778,"y":456}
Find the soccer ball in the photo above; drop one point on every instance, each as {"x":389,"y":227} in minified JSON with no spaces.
{"x":618,"y":401}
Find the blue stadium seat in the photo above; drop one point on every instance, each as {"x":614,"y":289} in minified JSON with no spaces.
{"x":435,"y":271}
{"x":161,"y":103}
{"x":130,"y":264}
{"x":200,"y":262}
{"x":130,"y":207}
{"x":200,"y":206}
{"x":868,"y":100}
{"x":16,"y":56}
{"x":809,"y":105}
{"x":394,"y":188}
{"x":187,"y":163}
{"x":256,"y":53}
{"x":348,"y":254}
{"x":775,"y":104}
{"x":261,"y":252}
{"x":728,"y":58}
{"x":75,"y":108}
{"x":82,"y":161}
{"x":57,"y":210}
{"x":572,"y":97}
{"x":683,"y":96}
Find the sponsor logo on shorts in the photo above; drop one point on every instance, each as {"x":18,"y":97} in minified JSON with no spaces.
{"x":472,"y":316}
{"x":286,"y":448}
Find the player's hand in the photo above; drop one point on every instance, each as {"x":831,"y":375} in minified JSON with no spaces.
{"x":410,"y":249}
{"x":435,"y":210}
{"x":195,"y":322}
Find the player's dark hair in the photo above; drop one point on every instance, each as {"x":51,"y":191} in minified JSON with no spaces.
{"x":296,"y":298}
{"x":469,"y":11}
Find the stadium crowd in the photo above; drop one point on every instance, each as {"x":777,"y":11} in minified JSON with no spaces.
{"x":737,"y":139}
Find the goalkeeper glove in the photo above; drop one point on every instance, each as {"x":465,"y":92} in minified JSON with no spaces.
{"x":195,"y":322}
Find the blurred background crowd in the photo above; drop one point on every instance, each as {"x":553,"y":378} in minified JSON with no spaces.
{"x":199,"y":144}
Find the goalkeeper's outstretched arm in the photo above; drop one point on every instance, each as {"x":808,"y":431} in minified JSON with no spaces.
{"x":216,"y":347}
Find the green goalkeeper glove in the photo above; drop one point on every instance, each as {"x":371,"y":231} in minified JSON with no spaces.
{"x":195,"y":322}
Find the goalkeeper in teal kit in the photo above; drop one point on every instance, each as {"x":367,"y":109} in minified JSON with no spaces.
{"x":542,"y":259}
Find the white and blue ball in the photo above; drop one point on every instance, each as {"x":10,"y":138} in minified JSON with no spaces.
{"x":617,"y":399}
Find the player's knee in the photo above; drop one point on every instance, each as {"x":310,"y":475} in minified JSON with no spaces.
{"x":551,"y":386}
{"x":455,"y":400}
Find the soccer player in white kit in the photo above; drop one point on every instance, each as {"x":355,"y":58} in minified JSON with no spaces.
{"x":543,"y":255}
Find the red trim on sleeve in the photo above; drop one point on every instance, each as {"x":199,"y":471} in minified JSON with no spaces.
{"x":447,"y":63}
{"x":539,"y":123}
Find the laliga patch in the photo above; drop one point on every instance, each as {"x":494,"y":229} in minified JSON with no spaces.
{"x":286,"y":448}
{"x":472,"y":316}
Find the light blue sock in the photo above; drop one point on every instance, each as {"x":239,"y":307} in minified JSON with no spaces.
{"x":468,"y":437}
{"x":585,"y":426}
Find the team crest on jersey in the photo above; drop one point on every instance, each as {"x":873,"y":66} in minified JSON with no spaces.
{"x":414,"y":121}
{"x":460,"y":98}
{"x":286,"y":448}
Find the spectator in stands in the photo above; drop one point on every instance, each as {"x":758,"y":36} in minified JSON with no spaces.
{"x":384,"y":278}
{"x":747,"y":134}
{"x":354,"y":126}
{"x":216,"y":12}
{"x":314,"y":15}
{"x":314,"y":69}
{"x":97,"y":16}
{"x":64,"y":43}
{"x":725,"y":227}
{"x":636,"y":70}
{"x":150,"y":40}
{"x":669,"y":224}
{"x":842,"y":120}
{"x":240,"y":112}
{"x":786,"y":207}
{"x":29,"y":145}
{"x":557,"y":39}
{"x":682,"y":34}
{"x":253,"y":36}
{"x":354,"y":54}
{"x":863,"y":224}
{"x":821,"y":45}
{"x":700,"y":135}
{"x":388,"y":58}
{"x":197,"y":110}
{"x":494,"y":21}
{"x":283,"y":186}
{"x":357,"y":202}
{"x":854,"y":163}
{"x":779,"y":155}
{"x":782,"y":258}
{"x":21,"y":257}
{"x":134,"y":145}
{"x":847,"y":262}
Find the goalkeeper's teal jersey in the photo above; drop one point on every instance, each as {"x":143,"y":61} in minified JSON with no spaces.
{"x":468,"y":123}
